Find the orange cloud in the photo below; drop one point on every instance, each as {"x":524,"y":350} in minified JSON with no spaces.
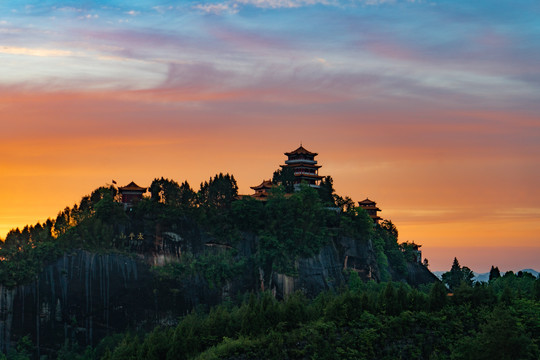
{"x":444,"y":184}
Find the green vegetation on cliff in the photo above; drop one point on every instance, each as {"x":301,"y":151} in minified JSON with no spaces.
{"x":287,"y":227}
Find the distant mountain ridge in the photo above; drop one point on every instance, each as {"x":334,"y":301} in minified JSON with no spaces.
{"x":484,"y":277}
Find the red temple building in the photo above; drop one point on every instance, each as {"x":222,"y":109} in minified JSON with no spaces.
{"x":131,"y":193}
{"x":371,"y":208}
{"x":304,"y":165}
{"x":261,"y":191}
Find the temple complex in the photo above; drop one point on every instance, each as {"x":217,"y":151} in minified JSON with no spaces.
{"x":131,"y":193}
{"x":371,"y":208}
{"x":261,"y":191}
{"x":304,"y":165}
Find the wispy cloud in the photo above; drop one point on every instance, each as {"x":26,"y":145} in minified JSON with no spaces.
{"x":277,"y":4}
{"x":234,"y":6}
{"x":218,"y":9}
{"x":89,"y":16}
{"x":34,"y":51}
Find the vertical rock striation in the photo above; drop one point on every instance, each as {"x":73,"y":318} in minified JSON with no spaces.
{"x":81,"y":297}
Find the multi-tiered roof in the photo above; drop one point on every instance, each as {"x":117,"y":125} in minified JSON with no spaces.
{"x":304,"y":165}
{"x":371,"y":208}
{"x":261,"y":191}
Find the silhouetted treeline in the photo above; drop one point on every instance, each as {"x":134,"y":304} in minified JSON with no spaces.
{"x":288,"y":226}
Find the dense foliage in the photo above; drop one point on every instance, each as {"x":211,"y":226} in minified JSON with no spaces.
{"x":364,"y":321}
{"x":216,"y":267}
{"x":288,"y":226}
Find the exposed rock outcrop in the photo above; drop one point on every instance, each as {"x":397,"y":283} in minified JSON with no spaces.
{"x":85,"y":296}
{"x":81,"y":297}
{"x":315,"y":274}
{"x":418,"y":274}
{"x":359,"y":256}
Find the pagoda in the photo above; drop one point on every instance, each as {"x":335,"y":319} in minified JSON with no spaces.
{"x":305,"y":167}
{"x":131,"y":193}
{"x":371,"y":208}
{"x":261,"y":191}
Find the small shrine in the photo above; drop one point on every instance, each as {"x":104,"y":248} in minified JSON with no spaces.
{"x":304,"y":165}
{"x":261,"y":191}
{"x":131,"y":193}
{"x":371,"y":208}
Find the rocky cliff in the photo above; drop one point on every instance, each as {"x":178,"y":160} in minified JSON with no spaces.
{"x":84,"y":296}
{"x":81,"y":297}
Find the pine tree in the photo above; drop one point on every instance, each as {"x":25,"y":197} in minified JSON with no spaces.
{"x":457,"y":275}
{"x":494,"y":273}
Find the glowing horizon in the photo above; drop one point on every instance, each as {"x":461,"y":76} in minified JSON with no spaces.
{"x":430,"y":108}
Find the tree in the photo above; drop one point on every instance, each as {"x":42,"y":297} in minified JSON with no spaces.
{"x":285,"y":177}
{"x":62,"y":222}
{"x":390,"y":304}
{"x":494,"y":273}
{"x":218,"y":192}
{"x":467,"y":275}
{"x":109,"y":211}
{"x":410,"y":251}
{"x":346,"y":204}
{"x":501,"y":337}
{"x":437,"y":296}
{"x":326,"y":191}
{"x":97,"y":195}
{"x":168,"y":192}
{"x":186,"y":197}
{"x":294,"y":226}
{"x":164,"y":191}
{"x":457,"y":275}
{"x":13,"y":239}
{"x":389,"y":226}
{"x":249,"y":214}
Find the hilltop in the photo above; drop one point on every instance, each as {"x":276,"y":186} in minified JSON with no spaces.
{"x":210,"y":274}
{"x":178,"y":249}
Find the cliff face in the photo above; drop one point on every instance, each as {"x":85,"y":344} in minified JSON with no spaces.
{"x":85,"y":296}
{"x":325,"y":271}
{"x":81,"y":297}
{"x":418,"y":274}
{"x":359,"y":256}
{"x":315,"y":274}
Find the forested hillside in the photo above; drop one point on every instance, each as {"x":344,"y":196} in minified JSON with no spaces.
{"x":179,"y":221}
{"x":209,"y":274}
{"x":363,"y":321}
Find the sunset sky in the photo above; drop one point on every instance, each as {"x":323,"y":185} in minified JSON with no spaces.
{"x":430,"y":108}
